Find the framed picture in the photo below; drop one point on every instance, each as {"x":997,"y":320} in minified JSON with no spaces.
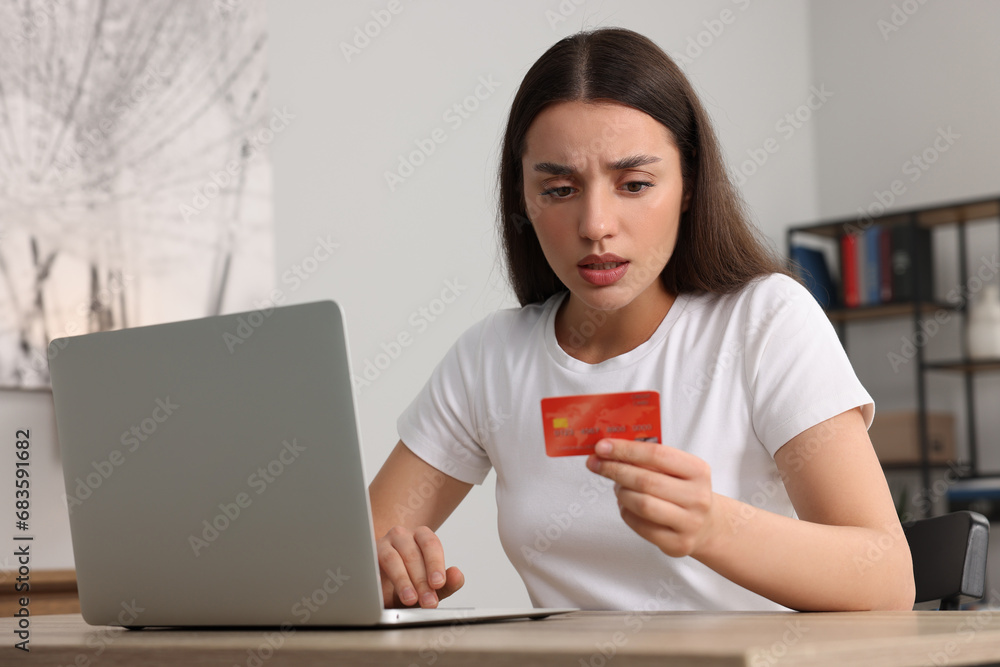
{"x":135,"y":184}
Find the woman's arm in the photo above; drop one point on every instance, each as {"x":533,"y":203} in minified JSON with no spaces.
{"x":846,"y":551}
{"x":410,"y":500}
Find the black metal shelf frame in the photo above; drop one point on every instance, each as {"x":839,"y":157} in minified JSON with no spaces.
{"x":957,"y":214}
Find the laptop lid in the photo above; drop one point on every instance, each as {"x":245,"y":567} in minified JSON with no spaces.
{"x":214,"y":474}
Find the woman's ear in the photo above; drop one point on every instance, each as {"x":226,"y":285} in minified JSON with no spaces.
{"x":686,"y":200}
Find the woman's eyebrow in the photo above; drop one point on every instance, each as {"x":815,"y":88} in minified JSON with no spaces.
{"x":632,"y":161}
{"x":554,"y":168}
{"x":629,"y":162}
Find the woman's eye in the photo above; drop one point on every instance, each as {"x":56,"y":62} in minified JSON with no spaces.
{"x":637,"y":186}
{"x":559,"y":192}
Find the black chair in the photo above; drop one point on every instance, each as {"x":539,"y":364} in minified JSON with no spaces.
{"x":949,"y":557}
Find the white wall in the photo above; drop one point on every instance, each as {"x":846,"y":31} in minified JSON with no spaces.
{"x":900,"y":77}
{"x":398,"y":248}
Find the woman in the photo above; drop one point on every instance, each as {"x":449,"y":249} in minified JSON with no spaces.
{"x":636,"y":268}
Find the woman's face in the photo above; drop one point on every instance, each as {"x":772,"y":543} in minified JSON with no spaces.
{"x":603,"y":190}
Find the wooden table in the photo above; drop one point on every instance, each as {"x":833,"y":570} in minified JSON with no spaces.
{"x":52,"y":592}
{"x":578,"y":639}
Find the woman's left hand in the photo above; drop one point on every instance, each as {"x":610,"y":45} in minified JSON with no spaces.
{"x":665,"y":494}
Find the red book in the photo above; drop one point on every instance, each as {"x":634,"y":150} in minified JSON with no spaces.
{"x":885,"y":265}
{"x":849,"y":270}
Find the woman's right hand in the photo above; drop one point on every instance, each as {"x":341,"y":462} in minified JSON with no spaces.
{"x":411,"y":565}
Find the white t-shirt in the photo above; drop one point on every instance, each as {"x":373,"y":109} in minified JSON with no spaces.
{"x":739,"y":375}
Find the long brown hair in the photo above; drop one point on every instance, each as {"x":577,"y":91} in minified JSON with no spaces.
{"x":717,"y":249}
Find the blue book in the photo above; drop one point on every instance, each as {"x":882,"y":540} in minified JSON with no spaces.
{"x":861,"y":262}
{"x":810,"y":265}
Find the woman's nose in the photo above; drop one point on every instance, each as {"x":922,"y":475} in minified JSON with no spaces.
{"x":597,"y":219}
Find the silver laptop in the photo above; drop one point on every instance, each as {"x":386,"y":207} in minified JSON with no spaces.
{"x":214,"y":475}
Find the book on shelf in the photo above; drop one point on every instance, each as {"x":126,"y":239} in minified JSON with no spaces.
{"x":849,"y":270}
{"x":971,"y":488}
{"x":810,"y":265}
{"x":872,"y":272}
{"x":883,"y":265}
{"x":976,"y":494}
{"x":861,"y":266}
{"x":912,"y":263}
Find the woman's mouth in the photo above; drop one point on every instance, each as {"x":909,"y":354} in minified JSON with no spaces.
{"x":602,"y":273}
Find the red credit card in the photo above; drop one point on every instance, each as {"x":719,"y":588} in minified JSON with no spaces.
{"x":574,"y":424}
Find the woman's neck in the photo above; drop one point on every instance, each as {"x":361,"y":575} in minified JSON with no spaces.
{"x":593,"y":336}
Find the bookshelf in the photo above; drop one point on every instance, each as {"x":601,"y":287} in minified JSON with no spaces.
{"x":918,"y":305}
